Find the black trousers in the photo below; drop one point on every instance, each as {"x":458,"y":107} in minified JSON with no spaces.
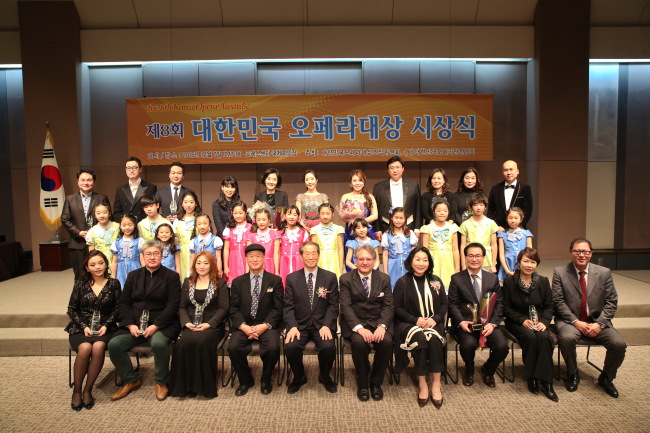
{"x":326,"y":353}
{"x":428,"y":356}
{"x":77,"y":261}
{"x":608,"y":337}
{"x":240,"y":346}
{"x":360,"y":352}
{"x":469,"y":343}
{"x":537,"y":351}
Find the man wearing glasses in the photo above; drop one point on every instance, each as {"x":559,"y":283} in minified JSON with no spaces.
{"x":585,"y":303}
{"x":127,"y":196}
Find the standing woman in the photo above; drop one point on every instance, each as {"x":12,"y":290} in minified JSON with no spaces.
{"x":522,"y":292}
{"x":308,"y":202}
{"x":194,"y":359}
{"x":93,"y":291}
{"x":222,"y":207}
{"x":469,"y":183}
{"x":358,"y":204}
{"x":437,"y":191}
{"x":420,"y":309}
{"x":272,"y":197}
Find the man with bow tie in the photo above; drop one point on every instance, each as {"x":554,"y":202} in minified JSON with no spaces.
{"x":311,"y":309}
{"x":508,"y":194}
{"x":396,"y":192}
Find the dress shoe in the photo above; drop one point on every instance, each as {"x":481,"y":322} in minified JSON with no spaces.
{"x":607,"y":385}
{"x":376,"y":393}
{"x":242,"y":389}
{"x":422,"y":401}
{"x":295,"y":385}
{"x":488,"y":379}
{"x":328,"y":383}
{"x":468,"y":380}
{"x":88,"y":404}
{"x":547,"y":389}
{"x":161,"y":392}
{"x":572,"y":382}
{"x":77,"y":406}
{"x":532,"y":385}
{"x":125,"y":390}
{"x":363,"y":394}
{"x":266,"y":388}
{"x":437,"y":403}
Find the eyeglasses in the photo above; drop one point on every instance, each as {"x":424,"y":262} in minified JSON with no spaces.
{"x":136,"y":168}
{"x":255,"y":256}
{"x":474,"y":256}
{"x":154,"y":254}
{"x":581,"y":252}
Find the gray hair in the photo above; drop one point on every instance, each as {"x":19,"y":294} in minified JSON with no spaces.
{"x":365,"y":247}
{"x":302,"y":247}
{"x":153,"y":243}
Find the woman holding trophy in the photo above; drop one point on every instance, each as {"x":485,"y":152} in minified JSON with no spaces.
{"x":93,"y":311}
{"x":203,"y":310}
{"x":528,"y":309}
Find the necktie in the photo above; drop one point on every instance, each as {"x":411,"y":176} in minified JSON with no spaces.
{"x":583,"y":301}
{"x":256,"y":295}
{"x":364,"y":281}
{"x":477,"y":287}
{"x":310,"y":289}
{"x":176,"y":196}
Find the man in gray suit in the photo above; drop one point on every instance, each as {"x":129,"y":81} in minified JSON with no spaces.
{"x":585,"y":303}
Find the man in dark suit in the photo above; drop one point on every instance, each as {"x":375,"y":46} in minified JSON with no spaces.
{"x":158,"y":290}
{"x":507,"y":194}
{"x":172,"y":192}
{"x":77,"y":216}
{"x":311,"y":309}
{"x":397,"y":192}
{"x":367,"y":321}
{"x":466,"y":289}
{"x":255,"y":313}
{"x":127,"y":196}
{"x":585,"y":303}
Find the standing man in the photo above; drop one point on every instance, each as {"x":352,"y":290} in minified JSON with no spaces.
{"x":367,"y":321}
{"x":397,"y":192}
{"x":172,"y":192}
{"x":585,"y":303}
{"x":507,"y":194}
{"x":127,"y":196}
{"x":255,"y":313}
{"x":77,"y":216}
{"x":311,"y":308}
{"x":155,"y":289}
{"x":466,"y":290}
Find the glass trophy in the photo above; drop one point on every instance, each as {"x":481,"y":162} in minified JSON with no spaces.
{"x":89,"y":221}
{"x":476,"y":325}
{"x":94,"y":322}
{"x":532,"y":313}
{"x":279,"y":213}
{"x":198,"y":315}
{"x":173,"y":208}
{"x":144,"y":321}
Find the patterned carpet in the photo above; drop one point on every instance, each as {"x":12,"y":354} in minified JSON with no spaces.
{"x":35,"y":397}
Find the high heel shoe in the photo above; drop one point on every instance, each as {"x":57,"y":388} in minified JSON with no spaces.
{"x":423,"y":401}
{"x":77,"y":406}
{"x":90,"y":403}
{"x":437,"y":403}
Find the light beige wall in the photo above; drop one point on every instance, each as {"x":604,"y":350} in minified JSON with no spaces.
{"x":601,"y":197}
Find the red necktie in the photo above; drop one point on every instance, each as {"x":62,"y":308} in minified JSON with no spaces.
{"x":583,"y":302}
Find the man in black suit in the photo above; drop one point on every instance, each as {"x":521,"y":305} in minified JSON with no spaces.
{"x":158,"y":290}
{"x":172,"y":192}
{"x":367,"y":321}
{"x":127,"y":196}
{"x":255,"y":313}
{"x":77,"y":216}
{"x":397,"y":192}
{"x":466,"y":289}
{"x":311,"y":309}
{"x":507,"y":194}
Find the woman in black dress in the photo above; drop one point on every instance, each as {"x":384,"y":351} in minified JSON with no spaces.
{"x":522,"y":292}
{"x":93,"y":292}
{"x":420,"y":309}
{"x":468,"y":184}
{"x":194,"y":359}
{"x":273,"y":197}
{"x":222,"y":207}
{"x":438,"y":190}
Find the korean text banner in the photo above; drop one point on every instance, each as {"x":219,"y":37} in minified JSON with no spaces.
{"x":310,"y":128}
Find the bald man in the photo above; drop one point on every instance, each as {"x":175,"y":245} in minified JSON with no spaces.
{"x":507,"y":194}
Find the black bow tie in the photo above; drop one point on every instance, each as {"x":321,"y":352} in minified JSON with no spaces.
{"x":510,"y":186}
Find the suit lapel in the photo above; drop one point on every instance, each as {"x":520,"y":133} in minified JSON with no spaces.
{"x":571,"y":275}
{"x":374,"y":285}
{"x":389,"y":199}
{"x":502,"y":196}
{"x":320,"y":282}
{"x":127,"y":193}
{"x":357,"y":284}
{"x":591,"y":281}
{"x":469,"y":286}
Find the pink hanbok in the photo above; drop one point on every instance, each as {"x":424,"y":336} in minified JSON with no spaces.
{"x":290,"y":260}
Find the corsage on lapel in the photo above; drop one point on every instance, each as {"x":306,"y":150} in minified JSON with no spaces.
{"x":270,"y":289}
{"x":435,"y":285}
{"x":322,"y":293}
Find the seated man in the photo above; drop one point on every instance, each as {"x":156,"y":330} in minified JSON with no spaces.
{"x":466,"y":290}
{"x":255,"y":312}
{"x":155,"y":289}
{"x":367,"y":319}
{"x":311,"y":309}
{"x":585,"y":303}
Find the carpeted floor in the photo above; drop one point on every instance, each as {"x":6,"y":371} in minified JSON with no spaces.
{"x":34,"y":397}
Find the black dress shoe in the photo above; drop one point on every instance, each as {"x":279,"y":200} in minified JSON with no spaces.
{"x":572,"y":382}
{"x":468,"y":380}
{"x":532,"y":385}
{"x":363,"y":394}
{"x":607,"y":385}
{"x":266,"y":388}
{"x":547,"y":389}
{"x":295,"y":385}
{"x":90,"y":403}
{"x":328,"y":383}
{"x":437,"y":403}
{"x":488,"y":379}
{"x":376,"y":393}
{"x":243,"y":389}
{"x":77,"y":406}
{"x":423,"y":401}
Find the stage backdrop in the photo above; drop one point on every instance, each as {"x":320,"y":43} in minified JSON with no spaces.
{"x":310,"y":128}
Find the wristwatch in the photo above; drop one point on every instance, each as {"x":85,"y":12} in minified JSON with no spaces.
{"x":382,"y":325}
